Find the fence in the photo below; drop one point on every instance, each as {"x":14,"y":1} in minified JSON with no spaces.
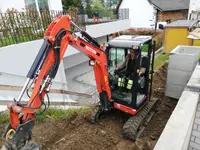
{"x":18,"y":27}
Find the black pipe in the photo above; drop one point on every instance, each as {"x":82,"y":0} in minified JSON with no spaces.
{"x":90,"y":39}
{"x":39,"y":59}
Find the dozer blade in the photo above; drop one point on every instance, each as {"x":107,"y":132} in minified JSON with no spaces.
{"x":136,"y":124}
{"x":28,"y":146}
{"x":97,"y":114}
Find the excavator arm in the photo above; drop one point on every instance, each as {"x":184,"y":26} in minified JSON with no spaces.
{"x":18,"y":135}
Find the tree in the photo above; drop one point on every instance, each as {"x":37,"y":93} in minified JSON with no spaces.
{"x":102,"y":1}
{"x":72,"y":3}
{"x":111,"y":3}
{"x":88,"y":9}
{"x":97,"y":5}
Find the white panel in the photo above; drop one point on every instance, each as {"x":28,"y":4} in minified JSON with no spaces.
{"x":17,"y":59}
{"x":103,"y":29}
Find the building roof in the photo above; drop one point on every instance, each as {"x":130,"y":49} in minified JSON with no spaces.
{"x":129,"y":41}
{"x":182,"y":24}
{"x":167,"y":5}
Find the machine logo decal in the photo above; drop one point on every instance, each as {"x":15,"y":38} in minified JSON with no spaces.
{"x":90,"y":49}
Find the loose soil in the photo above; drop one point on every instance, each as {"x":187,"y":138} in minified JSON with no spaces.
{"x":78,"y":133}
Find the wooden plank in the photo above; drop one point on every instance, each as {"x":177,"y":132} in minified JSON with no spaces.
{"x":55,"y":91}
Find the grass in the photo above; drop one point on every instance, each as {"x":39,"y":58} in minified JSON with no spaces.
{"x":52,"y":113}
{"x":160,"y":60}
{"x":4,"y":118}
{"x":62,"y":114}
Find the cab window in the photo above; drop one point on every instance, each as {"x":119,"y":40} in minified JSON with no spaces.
{"x":117,"y":56}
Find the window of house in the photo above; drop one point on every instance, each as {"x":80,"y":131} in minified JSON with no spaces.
{"x":30,"y":4}
{"x":42,"y":4}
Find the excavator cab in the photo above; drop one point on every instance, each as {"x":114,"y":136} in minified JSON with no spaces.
{"x":132,"y":92}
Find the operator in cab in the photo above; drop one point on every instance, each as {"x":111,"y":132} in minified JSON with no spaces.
{"x":128,"y":66}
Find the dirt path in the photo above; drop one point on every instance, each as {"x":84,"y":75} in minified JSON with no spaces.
{"x":77,"y":133}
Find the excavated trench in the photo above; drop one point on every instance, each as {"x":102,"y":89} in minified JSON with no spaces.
{"x":77,"y":133}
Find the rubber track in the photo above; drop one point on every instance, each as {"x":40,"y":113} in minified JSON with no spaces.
{"x":131,"y":127}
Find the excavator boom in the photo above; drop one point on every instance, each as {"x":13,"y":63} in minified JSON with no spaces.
{"x":58,"y":36}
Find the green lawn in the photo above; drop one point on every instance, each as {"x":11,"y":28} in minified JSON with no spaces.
{"x":160,"y":60}
{"x":52,"y":113}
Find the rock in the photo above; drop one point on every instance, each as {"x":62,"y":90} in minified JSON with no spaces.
{"x":153,"y":137}
{"x":103,"y":132}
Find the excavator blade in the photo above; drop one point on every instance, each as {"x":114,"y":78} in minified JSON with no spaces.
{"x":29,"y":146}
{"x":136,"y":124}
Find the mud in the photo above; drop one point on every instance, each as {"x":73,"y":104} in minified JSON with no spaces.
{"x":78,"y":133}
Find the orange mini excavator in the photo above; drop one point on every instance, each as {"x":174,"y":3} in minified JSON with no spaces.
{"x":132,"y":98}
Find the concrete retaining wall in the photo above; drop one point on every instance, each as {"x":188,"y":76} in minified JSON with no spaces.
{"x":181,"y":131}
{"x":182,"y":62}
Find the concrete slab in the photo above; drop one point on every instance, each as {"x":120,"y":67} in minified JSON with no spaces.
{"x":84,"y":72}
{"x":177,"y":124}
{"x":87,"y":78}
{"x":174,"y":91}
{"x":187,"y":62}
{"x":178,"y":77}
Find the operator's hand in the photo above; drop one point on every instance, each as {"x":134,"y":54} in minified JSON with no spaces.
{"x":117,"y":68}
{"x":140,"y":73}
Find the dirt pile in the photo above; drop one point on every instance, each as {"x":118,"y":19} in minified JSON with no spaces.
{"x":77,"y":133}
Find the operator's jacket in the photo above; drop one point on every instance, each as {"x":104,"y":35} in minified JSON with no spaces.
{"x":124,"y":66}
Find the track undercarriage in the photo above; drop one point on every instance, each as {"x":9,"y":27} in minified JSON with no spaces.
{"x":136,"y":124}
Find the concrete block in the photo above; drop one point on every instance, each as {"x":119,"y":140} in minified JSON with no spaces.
{"x":178,"y":77}
{"x":196,"y":73}
{"x":197,"y":121}
{"x":190,"y":148}
{"x":195,"y":145}
{"x":198,"y":114}
{"x":183,"y":62}
{"x":194,"y":82}
{"x":198,"y":66}
{"x":195,"y":79}
{"x":195,"y":126}
{"x":174,"y":91}
{"x":189,"y":50}
{"x":197,"y":140}
{"x":192,"y":138}
{"x":198,"y":128}
{"x":177,"y":124}
{"x":196,"y":133}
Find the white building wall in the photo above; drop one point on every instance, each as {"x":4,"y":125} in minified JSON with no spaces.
{"x":141,"y":12}
{"x":194,"y":6}
{"x":20,"y":4}
{"x":55,"y":5}
{"x":17,"y":59}
{"x":9,"y":4}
